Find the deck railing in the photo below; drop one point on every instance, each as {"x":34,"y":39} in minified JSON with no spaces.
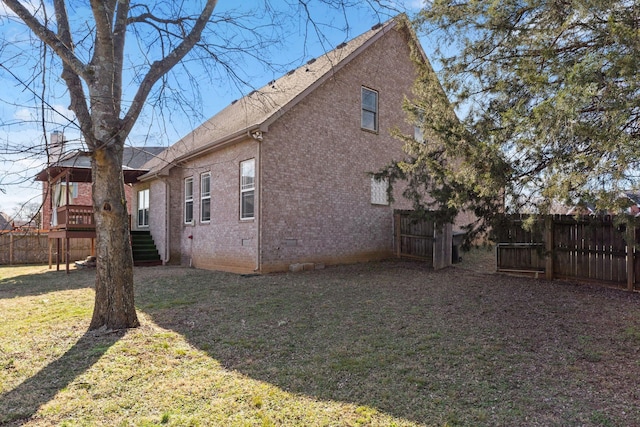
{"x":75,"y":217}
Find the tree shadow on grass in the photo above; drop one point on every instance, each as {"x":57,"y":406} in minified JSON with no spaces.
{"x":437,"y":348}
{"x":43,"y":282}
{"x":18,"y":405}
{"x":331,"y":335}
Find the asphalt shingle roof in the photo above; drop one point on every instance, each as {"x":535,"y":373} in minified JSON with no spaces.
{"x":259,"y":108}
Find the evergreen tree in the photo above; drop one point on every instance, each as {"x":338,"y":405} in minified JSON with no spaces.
{"x":549,"y":92}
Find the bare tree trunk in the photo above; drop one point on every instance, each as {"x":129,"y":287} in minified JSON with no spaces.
{"x":114,"y":304}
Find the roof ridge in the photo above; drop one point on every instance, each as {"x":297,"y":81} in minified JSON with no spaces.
{"x":365,"y":36}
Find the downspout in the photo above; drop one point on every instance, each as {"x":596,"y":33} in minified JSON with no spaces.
{"x":167,"y":221}
{"x":257,"y":136}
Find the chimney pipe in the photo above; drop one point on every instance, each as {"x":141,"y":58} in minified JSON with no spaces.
{"x":56,"y":146}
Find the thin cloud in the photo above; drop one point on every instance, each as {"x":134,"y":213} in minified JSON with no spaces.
{"x":34,"y":7}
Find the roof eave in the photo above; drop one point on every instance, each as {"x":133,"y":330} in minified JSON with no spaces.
{"x":215,"y":145}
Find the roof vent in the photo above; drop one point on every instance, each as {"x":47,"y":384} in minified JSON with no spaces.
{"x":377,"y":26}
{"x":291,"y":72}
{"x":311,"y":61}
{"x":251,"y":93}
{"x":341,"y":45}
{"x":234,"y":101}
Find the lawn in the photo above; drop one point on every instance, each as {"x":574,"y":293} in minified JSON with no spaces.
{"x":378,"y":344}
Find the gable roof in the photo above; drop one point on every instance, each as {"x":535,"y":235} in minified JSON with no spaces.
{"x":257,"y":110}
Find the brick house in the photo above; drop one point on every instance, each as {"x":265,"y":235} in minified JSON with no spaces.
{"x":282,"y":176}
{"x":67,"y":207}
{"x":76,"y":168}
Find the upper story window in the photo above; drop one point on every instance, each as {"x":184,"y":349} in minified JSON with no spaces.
{"x":188,"y":200}
{"x":369,"y":119}
{"x":418,"y":133}
{"x":247,"y":188}
{"x":205,"y":197}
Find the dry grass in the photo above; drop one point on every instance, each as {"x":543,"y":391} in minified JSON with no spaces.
{"x":371,"y":344}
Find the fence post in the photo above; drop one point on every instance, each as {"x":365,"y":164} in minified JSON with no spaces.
{"x":548,"y":239}
{"x":10,"y":248}
{"x":396,"y":217}
{"x":631,"y":258}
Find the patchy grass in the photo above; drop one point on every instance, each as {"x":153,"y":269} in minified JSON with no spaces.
{"x":365,"y":345}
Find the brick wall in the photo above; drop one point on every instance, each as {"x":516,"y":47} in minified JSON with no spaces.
{"x":313,"y":188}
{"x":223,"y":243}
{"x":315,"y":185}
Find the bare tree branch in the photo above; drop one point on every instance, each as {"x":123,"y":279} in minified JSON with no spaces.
{"x":159,"y":68}
{"x":69,"y":74}
{"x":49,"y":37}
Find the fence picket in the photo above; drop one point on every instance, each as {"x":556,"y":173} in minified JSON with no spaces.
{"x":33,"y":248}
{"x":589,"y":248}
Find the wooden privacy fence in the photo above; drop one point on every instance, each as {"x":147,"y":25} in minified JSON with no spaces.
{"x":33,"y":248}
{"x":420,"y":239}
{"x":591,"y":248}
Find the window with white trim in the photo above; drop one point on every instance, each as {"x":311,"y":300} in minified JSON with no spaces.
{"x":188,"y":200}
{"x":379,"y":191}
{"x":418,"y":133}
{"x":143,"y":208}
{"x":369,"y":107}
{"x":205,"y":197}
{"x":247,"y":189}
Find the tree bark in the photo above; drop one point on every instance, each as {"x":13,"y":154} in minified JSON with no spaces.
{"x":114,"y":303}
{"x":105,"y":132}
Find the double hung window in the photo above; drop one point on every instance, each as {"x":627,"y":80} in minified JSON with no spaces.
{"x":143,"y":208}
{"x":247,"y":189}
{"x":418,"y":133}
{"x":205,"y":197}
{"x":188,"y":200}
{"x":369,"y":119}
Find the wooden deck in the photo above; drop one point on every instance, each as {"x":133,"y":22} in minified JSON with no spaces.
{"x":74,"y":222}
{"x":75,"y":218}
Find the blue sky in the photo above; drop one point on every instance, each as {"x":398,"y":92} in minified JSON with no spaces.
{"x":21,"y":124}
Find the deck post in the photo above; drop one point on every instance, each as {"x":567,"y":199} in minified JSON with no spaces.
{"x":67,"y":252}
{"x":50,"y":253}
{"x":58,"y":254}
